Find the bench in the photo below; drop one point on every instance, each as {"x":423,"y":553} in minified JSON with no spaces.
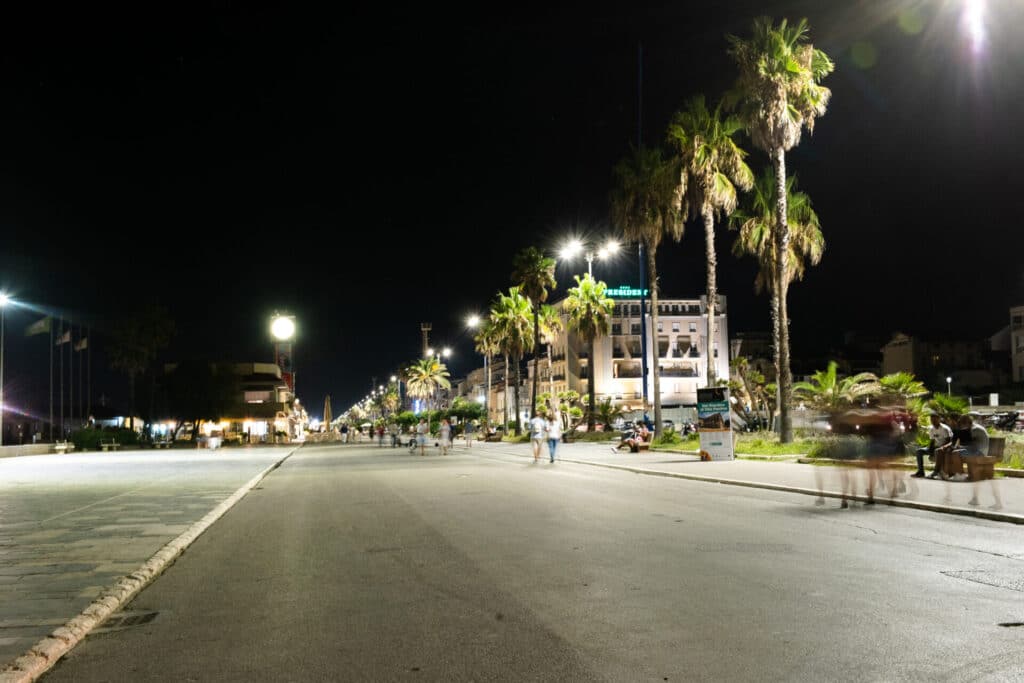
{"x":161,"y":444}
{"x":63,"y":447}
{"x":492,"y":438}
{"x":979,"y":467}
{"x":109,"y":446}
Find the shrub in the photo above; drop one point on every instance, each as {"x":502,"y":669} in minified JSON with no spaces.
{"x":668,"y":438}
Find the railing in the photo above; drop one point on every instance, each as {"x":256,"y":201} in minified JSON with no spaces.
{"x":675,"y":372}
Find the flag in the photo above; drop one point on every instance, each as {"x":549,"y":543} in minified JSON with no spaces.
{"x":82,"y":344}
{"x":64,"y":338}
{"x":39,"y":327}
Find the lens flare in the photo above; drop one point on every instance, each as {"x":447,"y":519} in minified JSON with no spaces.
{"x":974,"y":23}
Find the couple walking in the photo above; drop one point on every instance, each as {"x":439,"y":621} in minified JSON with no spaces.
{"x":542,"y":429}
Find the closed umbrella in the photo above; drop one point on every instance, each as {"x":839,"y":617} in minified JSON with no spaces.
{"x":327,"y":413}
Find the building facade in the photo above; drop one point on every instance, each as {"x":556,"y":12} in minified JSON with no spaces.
{"x":1017,"y":342}
{"x":679,"y":345}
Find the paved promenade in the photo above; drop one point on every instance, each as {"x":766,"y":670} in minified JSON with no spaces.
{"x":72,"y":525}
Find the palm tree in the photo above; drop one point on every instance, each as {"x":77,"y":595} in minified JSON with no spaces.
{"x":712,"y":167}
{"x":757,"y":238}
{"x":902,"y":386}
{"x":550,"y":322}
{"x":534,"y":273}
{"x":487,"y":345}
{"x":134,"y":344}
{"x":511,"y":316}
{"x":589,"y":312}
{"x":778,"y":92}
{"x":645,"y":207}
{"x":425,"y":377}
{"x":826,"y":390}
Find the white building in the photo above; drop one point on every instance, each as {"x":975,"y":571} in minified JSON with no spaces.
{"x":680,"y":345}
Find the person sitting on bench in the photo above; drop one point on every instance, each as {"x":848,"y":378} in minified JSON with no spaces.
{"x":940,"y":439}
{"x":640,"y":434}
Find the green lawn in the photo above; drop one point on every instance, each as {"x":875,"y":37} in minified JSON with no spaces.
{"x":768,"y":444}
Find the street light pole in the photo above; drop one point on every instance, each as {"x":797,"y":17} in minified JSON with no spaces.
{"x":949,"y":390}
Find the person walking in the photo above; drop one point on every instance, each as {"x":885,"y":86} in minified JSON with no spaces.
{"x":393,"y":430}
{"x":554,"y":429}
{"x":422,"y":429}
{"x":344,"y":433}
{"x":538,"y":427}
{"x":446,"y":436}
{"x":469,"y":433}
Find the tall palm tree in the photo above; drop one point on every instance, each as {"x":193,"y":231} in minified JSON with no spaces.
{"x":487,"y":345}
{"x":589,"y":312}
{"x":425,"y":377}
{"x":534,"y":273}
{"x":134,"y":344}
{"x":512,"y":316}
{"x":645,"y":207}
{"x":711,"y":169}
{"x":757,"y":238}
{"x":550,"y":322}
{"x":827,"y":390}
{"x":778,"y":92}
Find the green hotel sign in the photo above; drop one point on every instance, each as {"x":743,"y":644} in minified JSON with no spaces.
{"x":626,"y":292}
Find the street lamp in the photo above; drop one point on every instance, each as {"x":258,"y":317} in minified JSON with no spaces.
{"x":574,"y":247}
{"x":4,"y":300}
{"x":949,"y":382}
{"x":473,"y":323}
{"x":282,"y":329}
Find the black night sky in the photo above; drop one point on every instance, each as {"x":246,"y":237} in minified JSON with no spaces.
{"x":366,"y":170}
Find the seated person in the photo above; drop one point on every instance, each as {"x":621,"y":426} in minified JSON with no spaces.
{"x":633,"y":439}
{"x":970,"y":439}
{"x":940,"y":438}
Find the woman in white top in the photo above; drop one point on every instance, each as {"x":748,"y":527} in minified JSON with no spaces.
{"x":554,"y":433}
{"x":446,"y":436}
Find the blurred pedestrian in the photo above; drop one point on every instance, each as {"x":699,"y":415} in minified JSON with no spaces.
{"x":469,"y":433}
{"x":422,"y":429}
{"x":344,"y":433}
{"x":446,"y":436}
{"x":554,"y":432}
{"x":538,"y":428}
{"x":393,"y":430}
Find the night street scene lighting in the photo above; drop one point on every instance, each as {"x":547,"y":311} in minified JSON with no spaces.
{"x":654,"y":304}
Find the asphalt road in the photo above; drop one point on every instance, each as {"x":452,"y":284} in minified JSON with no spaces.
{"x":359,"y":563}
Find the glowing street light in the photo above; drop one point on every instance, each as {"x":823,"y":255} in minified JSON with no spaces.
{"x":949,"y":383}
{"x":574,"y":247}
{"x":473,"y":322}
{"x":282,"y":329}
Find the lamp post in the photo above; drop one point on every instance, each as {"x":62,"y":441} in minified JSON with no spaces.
{"x":574,"y":247}
{"x":949,"y":390}
{"x":4,"y":300}
{"x":282,"y":329}
{"x":473,"y":323}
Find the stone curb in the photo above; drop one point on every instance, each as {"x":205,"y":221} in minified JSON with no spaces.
{"x":895,"y":502}
{"x":44,"y":654}
{"x":804,"y":460}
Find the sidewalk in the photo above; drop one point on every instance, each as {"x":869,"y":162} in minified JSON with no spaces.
{"x":791,"y":476}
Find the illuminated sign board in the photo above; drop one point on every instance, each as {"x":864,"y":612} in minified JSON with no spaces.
{"x":625,"y":291}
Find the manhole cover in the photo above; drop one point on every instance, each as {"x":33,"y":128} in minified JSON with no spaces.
{"x":123,"y":620}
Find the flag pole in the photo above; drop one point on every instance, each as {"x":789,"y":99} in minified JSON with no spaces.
{"x":88,"y":375}
{"x":59,"y":338}
{"x":51,"y":381}
{"x":71,"y":374}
